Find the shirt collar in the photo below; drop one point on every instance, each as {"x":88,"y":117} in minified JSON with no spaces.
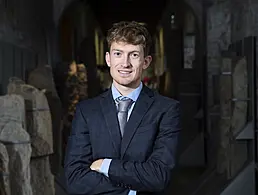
{"x":133,"y":95}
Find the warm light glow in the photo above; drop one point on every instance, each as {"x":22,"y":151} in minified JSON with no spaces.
{"x":161,"y":45}
{"x":101,"y":52}
{"x":97,"y":46}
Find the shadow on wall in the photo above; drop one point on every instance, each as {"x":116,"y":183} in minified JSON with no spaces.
{"x":86,"y":54}
{"x":1,"y":89}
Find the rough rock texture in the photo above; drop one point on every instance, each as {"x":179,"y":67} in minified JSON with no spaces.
{"x":39,"y":126}
{"x":17,"y":142}
{"x":38,"y":118}
{"x":225,"y":114}
{"x":42,"y":78}
{"x":240,"y":93}
{"x":4,"y":171}
{"x":42,"y":180}
{"x":238,"y":151}
{"x":218,"y":39}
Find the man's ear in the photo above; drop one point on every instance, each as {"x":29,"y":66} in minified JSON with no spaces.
{"x":147,"y":61}
{"x":107,"y":57}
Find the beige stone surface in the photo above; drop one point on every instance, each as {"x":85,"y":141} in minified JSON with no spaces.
{"x":239,"y":82}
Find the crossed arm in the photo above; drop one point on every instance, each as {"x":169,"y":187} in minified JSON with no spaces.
{"x":152,"y":175}
{"x":80,"y":179}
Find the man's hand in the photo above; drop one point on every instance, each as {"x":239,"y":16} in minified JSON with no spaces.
{"x":95,"y":166}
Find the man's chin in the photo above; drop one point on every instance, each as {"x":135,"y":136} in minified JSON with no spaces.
{"x":128,"y":84}
{"x":125,"y":84}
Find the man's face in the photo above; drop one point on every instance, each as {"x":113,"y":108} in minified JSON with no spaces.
{"x":126,"y":62}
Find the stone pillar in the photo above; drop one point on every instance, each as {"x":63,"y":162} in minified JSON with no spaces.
{"x":218,"y":40}
{"x":4,"y":171}
{"x":39,"y":126}
{"x":225,"y":115}
{"x":232,"y":154}
{"x":17,"y":143}
{"x":238,"y":151}
{"x":42,"y":78}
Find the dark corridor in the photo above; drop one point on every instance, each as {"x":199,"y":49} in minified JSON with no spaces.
{"x":204,"y":55}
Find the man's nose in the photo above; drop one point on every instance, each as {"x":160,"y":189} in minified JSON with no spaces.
{"x":126,"y":61}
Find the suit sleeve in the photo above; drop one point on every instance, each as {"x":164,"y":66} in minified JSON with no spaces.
{"x":153,"y":174}
{"x":80,"y":179}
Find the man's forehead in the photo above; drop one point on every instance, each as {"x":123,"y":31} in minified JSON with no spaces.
{"x":121,"y":46}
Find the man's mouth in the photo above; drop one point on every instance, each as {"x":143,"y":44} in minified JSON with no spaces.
{"x":124,"y":72}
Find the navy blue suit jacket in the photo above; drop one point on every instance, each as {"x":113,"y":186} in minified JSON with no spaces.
{"x":142,"y":160}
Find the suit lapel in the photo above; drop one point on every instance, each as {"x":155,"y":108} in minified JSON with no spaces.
{"x":109,"y":111}
{"x":141,"y":106}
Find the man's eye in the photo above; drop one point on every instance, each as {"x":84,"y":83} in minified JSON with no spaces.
{"x":135,"y":55}
{"x":117,"y":53}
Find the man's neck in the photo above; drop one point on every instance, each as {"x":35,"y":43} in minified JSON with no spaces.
{"x":125,"y":90}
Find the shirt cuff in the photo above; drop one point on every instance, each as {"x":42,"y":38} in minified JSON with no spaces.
{"x":105,"y":166}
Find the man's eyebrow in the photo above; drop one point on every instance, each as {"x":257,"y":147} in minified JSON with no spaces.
{"x":122,"y":50}
{"x":116,"y":50}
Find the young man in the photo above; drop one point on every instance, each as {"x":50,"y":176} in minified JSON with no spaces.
{"x":123,"y":142}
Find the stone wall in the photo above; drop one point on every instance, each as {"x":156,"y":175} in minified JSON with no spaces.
{"x":218,"y":39}
{"x":244,"y":18}
{"x":25,"y":37}
{"x":26,"y":24}
{"x":59,"y":7}
{"x":228,"y":21}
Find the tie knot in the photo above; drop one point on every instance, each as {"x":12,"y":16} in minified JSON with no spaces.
{"x":124,"y":103}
